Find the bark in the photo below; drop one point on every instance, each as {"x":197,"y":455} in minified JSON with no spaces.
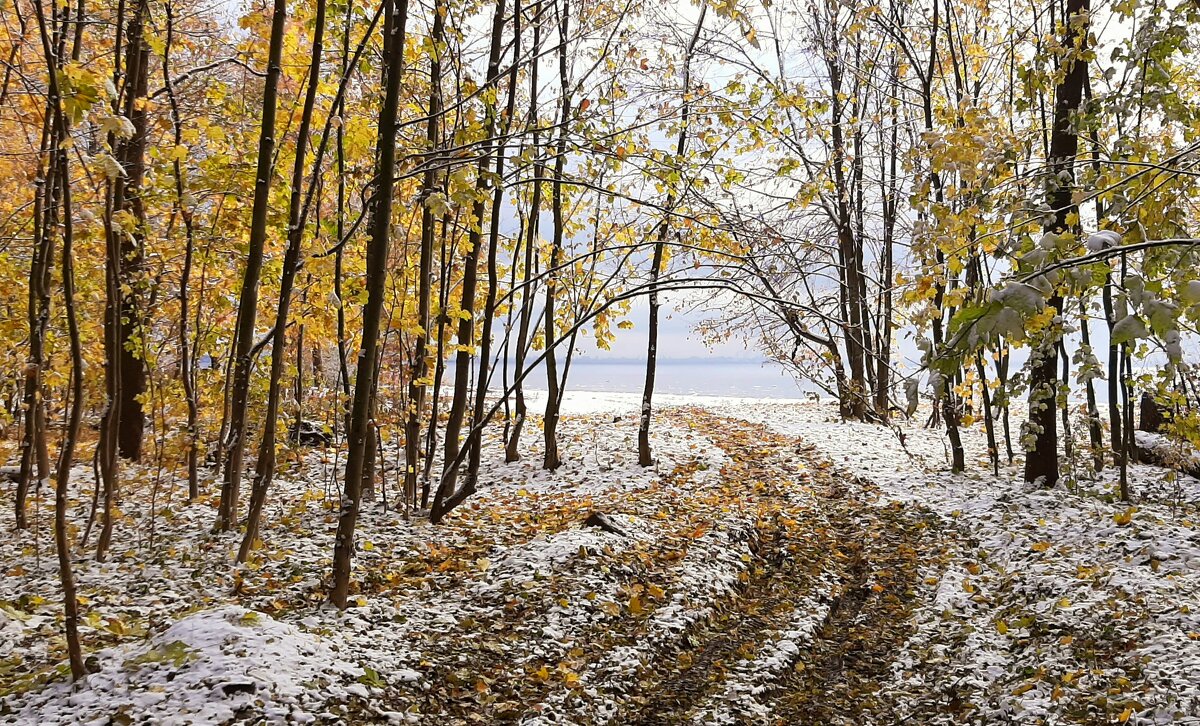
{"x":1114,"y":376}
{"x":377,"y":257}
{"x":1128,"y":450}
{"x":483,"y":377}
{"x":66,"y":458}
{"x":265,"y":465}
{"x":439,"y":369}
{"x":248,"y":300}
{"x":887,"y":264}
{"x":127,"y":199}
{"x":466,"y":325}
{"x":988,"y":420}
{"x":340,"y":151}
{"x":1095,"y":429}
{"x":645,"y":455}
{"x":951,"y":404}
{"x":1002,"y":361}
{"x":34,"y":451}
{"x":550,"y":457}
{"x":187,"y":374}
{"x":1065,"y":411}
{"x":512,"y":450}
{"x":951,"y":412}
{"x":417,"y":386}
{"x":851,"y":283}
{"x":115,"y":319}
{"x":1041,"y":464}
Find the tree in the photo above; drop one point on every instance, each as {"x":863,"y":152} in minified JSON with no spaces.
{"x":247,"y":311}
{"x":1041,"y":462}
{"x":265,"y":465}
{"x":645,"y":456}
{"x":377,"y":272}
{"x":446,"y":493}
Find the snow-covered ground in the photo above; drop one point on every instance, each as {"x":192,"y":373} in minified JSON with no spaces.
{"x":1062,"y":604}
{"x":1056,"y":606}
{"x":178,"y":634}
{"x":1059,"y":600}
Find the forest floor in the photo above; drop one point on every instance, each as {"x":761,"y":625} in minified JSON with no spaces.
{"x":774,"y":566}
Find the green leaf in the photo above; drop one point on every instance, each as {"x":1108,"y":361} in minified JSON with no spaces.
{"x":177,"y":653}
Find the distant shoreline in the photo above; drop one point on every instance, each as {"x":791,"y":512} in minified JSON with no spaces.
{"x":584,"y":360}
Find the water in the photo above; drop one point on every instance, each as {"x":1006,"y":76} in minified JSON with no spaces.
{"x":749,"y":379}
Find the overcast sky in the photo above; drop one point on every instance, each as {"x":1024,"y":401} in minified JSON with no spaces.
{"x":676,"y":338}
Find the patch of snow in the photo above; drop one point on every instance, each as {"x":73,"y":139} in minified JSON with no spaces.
{"x":205,"y":669}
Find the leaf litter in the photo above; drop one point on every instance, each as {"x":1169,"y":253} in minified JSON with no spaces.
{"x":774,"y":566}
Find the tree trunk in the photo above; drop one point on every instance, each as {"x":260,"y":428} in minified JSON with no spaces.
{"x":127,"y":198}
{"x":550,"y":457}
{"x":187,"y":375}
{"x":340,"y":151}
{"x":849,"y":253}
{"x":248,"y":300}
{"x":1114,"y":377}
{"x":1067,"y":438}
{"x":466,"y":325}
{"x":58,"y":164}
{"x":512,"y":451}
{"x":483,"y":377}
{"x":988,"y":421}
{"x":377,"y":258}
{"x":887,"y":264}
{"x":417,"y":386}
{"x":34,"y":451}
{"x":1095,"y":429}
{"x":265,"y":465}
{"x":1041,"y":464}
{"x":645,"y":455}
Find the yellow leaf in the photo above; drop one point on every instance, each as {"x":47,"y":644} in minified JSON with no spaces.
{"x":1001,"y":627}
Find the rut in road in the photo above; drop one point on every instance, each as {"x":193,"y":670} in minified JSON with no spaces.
{"x":822,"y":606}
{"x":844,"y":569}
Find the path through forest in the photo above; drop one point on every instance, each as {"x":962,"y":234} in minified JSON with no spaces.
{"x":844,"y":565}
{"x":806,"y":633}
{"x":749,"y":577}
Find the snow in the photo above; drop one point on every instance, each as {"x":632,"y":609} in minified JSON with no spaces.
{"x":206,"y":668}
{"x":1050,"y":599}
{"x":740,"y":700}
{"x":1056,"y":557}
{"x":1102,"y":240}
